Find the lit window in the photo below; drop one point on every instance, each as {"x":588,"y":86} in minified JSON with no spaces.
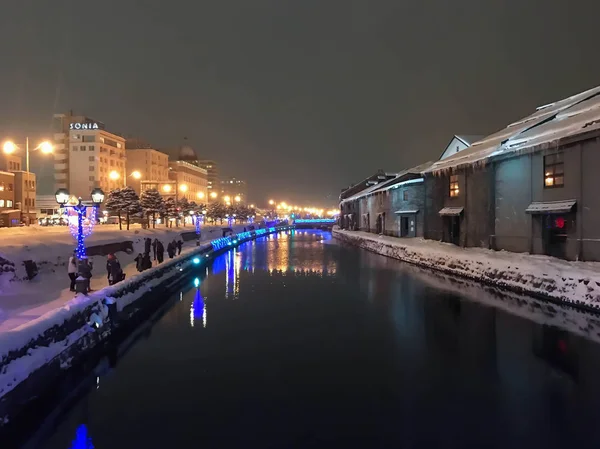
{"x":554,"y":170}
{"x":454,"y":186}
{"x":1,"y":203}
{"x":9,"y":203}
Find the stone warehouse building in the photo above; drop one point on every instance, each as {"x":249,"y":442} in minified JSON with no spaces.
{"x":531,"y":187}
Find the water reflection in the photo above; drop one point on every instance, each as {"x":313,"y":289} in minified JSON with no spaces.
{"x":82,"y":439}
{"x":198,"y":309}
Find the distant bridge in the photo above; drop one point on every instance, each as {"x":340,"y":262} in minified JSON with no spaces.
{"x":315,"y":223}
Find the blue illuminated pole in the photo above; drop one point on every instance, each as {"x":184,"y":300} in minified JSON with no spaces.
{"x":81,"y":209}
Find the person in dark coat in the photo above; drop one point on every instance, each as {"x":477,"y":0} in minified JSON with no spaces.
{"x":160,"y":251}
{"x":147,"y":245}
{"x":84,"y":268}
{"x":139,"y":262}
{"x":146,"y":262}
{"x":171,"y":250}
{"x":154,"y":243}
{"x":113,"y":269}
{"x":179,"y":246}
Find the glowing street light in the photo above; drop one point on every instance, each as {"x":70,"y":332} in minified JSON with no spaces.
{"x":166,"y":188}
{"x":10,"y":147}
{"x":136,"y":175}
{"x":183,"y":187}
{"x":227,"y":198}
{"x":200,"y":195}
{"x":114,"y":175}
{"x":213,"y":195}
{"x":271,"y":202}
{"x":237,"y":199}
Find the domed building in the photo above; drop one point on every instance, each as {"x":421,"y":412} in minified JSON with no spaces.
{"x":187,"y":154}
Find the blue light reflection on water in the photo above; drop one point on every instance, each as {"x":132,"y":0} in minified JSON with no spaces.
{"x":82,"y":439}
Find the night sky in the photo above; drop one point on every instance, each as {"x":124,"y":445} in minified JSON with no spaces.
{"x":300,"y":98}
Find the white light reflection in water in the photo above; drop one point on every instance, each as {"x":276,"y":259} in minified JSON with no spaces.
{"x":232,"y":274}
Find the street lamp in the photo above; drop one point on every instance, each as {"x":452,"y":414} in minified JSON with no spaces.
{"x":200,"y":195}
{"x":237,"y":199}
{"x":183,"y":187}
{"x":114,"y":176}
{"x":271,"y":202}
{"x":166,"y":188}
{"x":62,"y":198}
{"x":10,"y":147}
{"x":227,"y":198}
{"x":213,"y":195}
{"x":136,"y":175}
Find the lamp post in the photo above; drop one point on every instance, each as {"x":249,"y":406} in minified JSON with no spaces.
{"x":10,"y":147}
{"x":63,"y":197}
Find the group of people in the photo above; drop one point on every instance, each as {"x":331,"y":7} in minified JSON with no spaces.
{"x":143,"y":261}
{"x":83,"y":266}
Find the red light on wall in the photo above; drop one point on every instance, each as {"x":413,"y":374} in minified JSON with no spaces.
{"x":562,"y":346}
{"x":559,"y":222}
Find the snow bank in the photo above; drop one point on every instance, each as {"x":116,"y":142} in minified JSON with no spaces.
{"x":575,"y":283}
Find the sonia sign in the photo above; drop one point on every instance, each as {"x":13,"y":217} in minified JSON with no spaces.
{"x":84,"y":126}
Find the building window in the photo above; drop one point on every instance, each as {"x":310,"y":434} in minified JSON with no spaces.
{"x":9,"y":203}
{"x":92,"y":148}
{"x":91,"y":168}
{"x":82,"y":148}
{"x":91,"y":158}
{"x":89,"y":138}
{"x":10,"y":187}
{"x":405,"y":195}
{"x":92,"y":178}
{"x":1,"y":203}
{"x":32,"y":202}
{"x":554,"y":170}
{"x":454,"y":186}
{"x":75,"y":148}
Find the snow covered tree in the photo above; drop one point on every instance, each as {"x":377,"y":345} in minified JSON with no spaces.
{"x":184,"y":209}
{"x":170,"y":210}
{"x":115,"y":205}
{"x":216,"y":211}
{"x":131,"y":203}
{"x":152,"y":204}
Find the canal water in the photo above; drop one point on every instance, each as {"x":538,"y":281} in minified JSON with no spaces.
{"x":295,"y":341}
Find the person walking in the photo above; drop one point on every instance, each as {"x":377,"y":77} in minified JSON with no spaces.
{"x":113,"y":270}
{"x":154,"y":243}
{"x":72,"y":270}
{"x":139,"y":262}
{"x":171,"y":249}
{"x":147,"y":245}
{"x":179,"y":246}
{"x":84,"y":268}
{"x":160,"y":251}
{"x":146,"y":262}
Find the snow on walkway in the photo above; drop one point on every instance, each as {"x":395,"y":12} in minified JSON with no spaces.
{"x":50,"y":247}
{"x":573,"y":282}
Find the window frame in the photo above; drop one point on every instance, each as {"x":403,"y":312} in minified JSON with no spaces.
{"x":453,"y":187}
{"x":558,"y":160}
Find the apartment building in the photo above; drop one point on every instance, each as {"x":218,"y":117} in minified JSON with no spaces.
{"x":9,"y":215}
{"x":96,"y":158}
{"x":190,"y":180}
{"x":212,"y":174}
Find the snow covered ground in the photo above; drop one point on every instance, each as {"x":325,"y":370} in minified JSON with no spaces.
{"x":50,"y":247}
{"x":571,"y":282}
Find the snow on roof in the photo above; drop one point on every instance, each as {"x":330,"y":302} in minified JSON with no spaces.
{"x":362,"y":193}
{"x":469,"y":139}
{"x":401,"y":178}
{"x":577,"y":113}
{"x":557,"y":207}
{"x":584,"y":116}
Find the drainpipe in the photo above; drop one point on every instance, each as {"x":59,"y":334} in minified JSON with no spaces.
{"x":531,"y":217}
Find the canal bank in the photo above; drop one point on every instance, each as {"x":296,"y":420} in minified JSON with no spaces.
{"x":297,"y":341}
{"x":33,"y":356}
{"x":562,"y":282}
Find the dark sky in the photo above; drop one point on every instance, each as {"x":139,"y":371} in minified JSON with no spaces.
{"x":299,"y":97}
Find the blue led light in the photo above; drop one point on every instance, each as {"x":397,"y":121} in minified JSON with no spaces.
{"x":315,"y":220}
{"x":196,"y":282}
{"x":82,"y":439}
{"x":196,"y":260}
